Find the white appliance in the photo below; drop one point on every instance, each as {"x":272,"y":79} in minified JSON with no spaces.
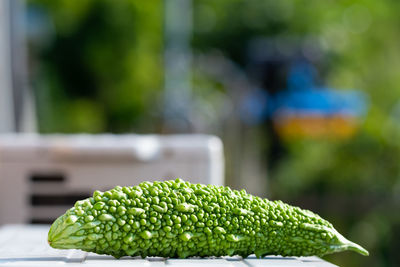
{"x":41,"y":176}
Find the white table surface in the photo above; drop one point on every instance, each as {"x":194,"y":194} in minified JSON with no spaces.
{"x":26,"y":245}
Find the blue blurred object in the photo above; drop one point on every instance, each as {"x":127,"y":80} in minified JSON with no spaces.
{"x":303,"y":96}
{"x":323,"y":101}
{"x":301,"y":76}
{"x":305,"y":109}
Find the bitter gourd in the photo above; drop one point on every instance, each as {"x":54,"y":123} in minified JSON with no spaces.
{"x":179,"y":219}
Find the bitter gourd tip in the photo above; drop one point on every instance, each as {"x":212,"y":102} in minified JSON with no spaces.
{"x":357,"y":248}
{"x":179,"y":219}
{"x":344,"y":244}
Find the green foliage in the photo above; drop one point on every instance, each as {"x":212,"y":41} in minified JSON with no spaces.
{"x":179,"y":219}
{"x":102,"y":67}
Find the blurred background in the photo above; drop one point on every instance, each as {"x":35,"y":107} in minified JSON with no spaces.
{"x":304,"y":94}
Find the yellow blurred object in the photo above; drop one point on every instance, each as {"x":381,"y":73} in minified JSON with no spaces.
{"x":316,"y":126}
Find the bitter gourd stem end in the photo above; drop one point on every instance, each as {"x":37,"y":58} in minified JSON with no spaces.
{"x":357,"y":248}
{"x":345,"y":244}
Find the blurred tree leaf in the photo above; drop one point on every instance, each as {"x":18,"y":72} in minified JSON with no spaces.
{"x":105,"y":54}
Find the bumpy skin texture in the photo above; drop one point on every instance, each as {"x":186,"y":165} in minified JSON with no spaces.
{"x":179,"y":219}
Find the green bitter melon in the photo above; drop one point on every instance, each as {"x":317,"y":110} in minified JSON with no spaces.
{"x":179,"y":219}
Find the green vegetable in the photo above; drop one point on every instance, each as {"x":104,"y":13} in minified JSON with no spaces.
{"x":179,"y":219}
